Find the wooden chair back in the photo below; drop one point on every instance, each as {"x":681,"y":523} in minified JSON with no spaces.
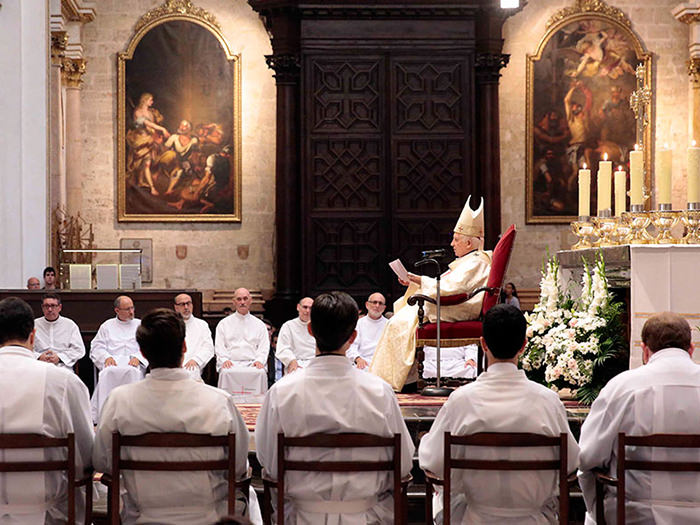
{"x":38,"y":441}
{"x":507,"y":439}
{"x":653,"y":440}
{"x":345,"y":440}
{"x":499,"y":265}
{"x":170,"y":440}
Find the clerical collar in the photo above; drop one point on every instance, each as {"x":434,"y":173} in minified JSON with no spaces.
{"x":241,"y":315}
{"x":49,"y":321}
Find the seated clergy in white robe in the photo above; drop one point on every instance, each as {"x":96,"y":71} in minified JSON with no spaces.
{"x":242,"y":346}
{"x":396,"y":350}
{"x":369,"y":330}
{"x":200,"y":347}
{"x":332,"y":396}
{"x":169,"y":400}
{"x":57,"y":339}
{"x":502,"y":399}
{"x":296,"y":347}
{"x":40,"y":398}
{"x":458,"y":361}
{"x":661,"y":397}
{"x":116,"y":354}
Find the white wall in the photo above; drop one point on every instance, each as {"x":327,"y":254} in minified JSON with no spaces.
{"x":24,"y":55}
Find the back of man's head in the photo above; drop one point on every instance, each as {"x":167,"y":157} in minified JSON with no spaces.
{"x":333,"y":320}
{"x":666,"y":330}
{"x":16,"y":320}
{"x":504,"y":330}
{"x":160,"y":337}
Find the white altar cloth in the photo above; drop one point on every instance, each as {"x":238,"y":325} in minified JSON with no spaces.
{"x":663,"y":278}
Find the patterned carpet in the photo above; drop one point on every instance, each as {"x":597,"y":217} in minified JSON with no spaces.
{"x":250,"y":411}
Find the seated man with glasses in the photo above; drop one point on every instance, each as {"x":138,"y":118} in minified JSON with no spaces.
{"x":200,"y":346}
{"x":369,"y":330}
{"x":296,"y":347}
{"x":116,"y":354}
{"x":57,"y":339}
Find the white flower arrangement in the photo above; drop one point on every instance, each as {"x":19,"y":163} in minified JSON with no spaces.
{"x":568,"y":338}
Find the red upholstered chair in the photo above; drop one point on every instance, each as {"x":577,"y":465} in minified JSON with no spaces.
{"x":463,"y":333}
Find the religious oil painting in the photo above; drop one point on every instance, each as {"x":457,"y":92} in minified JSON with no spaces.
{"x":179,"y":121}
{"x":579,"y":84}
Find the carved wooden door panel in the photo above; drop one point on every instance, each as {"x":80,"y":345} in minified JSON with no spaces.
{"x":387,"y":163}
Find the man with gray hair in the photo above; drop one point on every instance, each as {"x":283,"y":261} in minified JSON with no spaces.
{"x":58,"y":338}
{"x":115,"y":353}
{"x":200,"y":347}
{"x":296,"y":347}
{"x":369,"y":330}
{"x":661,"y":397}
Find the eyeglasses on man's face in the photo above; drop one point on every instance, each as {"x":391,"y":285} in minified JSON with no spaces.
{"x":377,"y":303}
{"x":47,"y":306}
{"x":185,"y":303}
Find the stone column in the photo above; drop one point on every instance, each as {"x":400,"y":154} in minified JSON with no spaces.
{"x":57,"y":174}
{"x":288,"y":185}
{"x":73,"y":70}
{"x":689,"y":13}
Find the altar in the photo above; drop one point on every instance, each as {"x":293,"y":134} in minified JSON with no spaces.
{"x":659,"y":277}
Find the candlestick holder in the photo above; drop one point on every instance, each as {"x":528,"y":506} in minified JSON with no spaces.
{"x":622,"y":231}
{"x":585,"y":230}
{"x":606,"y":228}
{"x":664,"y":221}
{"x":691,"y":220}
{"x":638,"y":221}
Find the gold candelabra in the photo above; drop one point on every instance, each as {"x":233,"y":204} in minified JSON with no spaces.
{"x":584,"y":230}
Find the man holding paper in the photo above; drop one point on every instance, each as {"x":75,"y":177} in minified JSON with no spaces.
{"x":395,"y":354}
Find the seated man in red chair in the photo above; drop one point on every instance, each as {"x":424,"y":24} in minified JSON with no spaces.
{"x":395,"y":354}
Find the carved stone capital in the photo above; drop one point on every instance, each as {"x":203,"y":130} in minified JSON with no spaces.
{"x":73,"y":71}
{"x":285,"y":65}
{"x":694,"y":71}
{"x":488,"y":65}
{"x":59,"y":40}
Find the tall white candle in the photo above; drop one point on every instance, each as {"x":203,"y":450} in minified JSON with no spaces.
{"x":636,"y":176}
{"x":663,"y":175}
{"x":584,"y":192}
{"x":694,"y":173}
{"x":604,"y":184}
{"x":620,"y":191}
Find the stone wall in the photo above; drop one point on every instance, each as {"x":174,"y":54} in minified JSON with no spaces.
{"x":663,"y":36}
{"x":212,"y":259}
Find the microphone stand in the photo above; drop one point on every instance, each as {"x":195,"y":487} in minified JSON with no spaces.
{"x":436,"y":390}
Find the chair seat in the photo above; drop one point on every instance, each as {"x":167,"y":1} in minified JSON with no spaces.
{"x":457,"y":330}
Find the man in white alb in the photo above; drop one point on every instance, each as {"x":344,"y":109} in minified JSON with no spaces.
{"x":396,"y":349}
{"x":295,"y":345}
{"x":200,"y":347}
{"x":57,"y":339}
{"x":369,"y":330}
{"x":242,"y":346}
{"x":661,"y":397}
{"x":38,"y":397}
{"x":116,"y":354}
{"x":501,"y":399}
{"x":332,"y":396}
{"x":169,"y":401}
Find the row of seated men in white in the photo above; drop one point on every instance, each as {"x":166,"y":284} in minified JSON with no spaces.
{"x":331,"y":395}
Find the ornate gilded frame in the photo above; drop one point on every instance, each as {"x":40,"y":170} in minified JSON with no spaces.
{"x":177,"y":10}
{"x":583,"y":10}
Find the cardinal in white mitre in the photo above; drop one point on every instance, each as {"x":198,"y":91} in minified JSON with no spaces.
{"x":396,"y":350}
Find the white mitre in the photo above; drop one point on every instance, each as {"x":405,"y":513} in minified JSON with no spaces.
{"x":471,"y":222}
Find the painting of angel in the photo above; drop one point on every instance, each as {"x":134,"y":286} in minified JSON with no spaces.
{"x":579,"y":85}
{"x":179,"y":138}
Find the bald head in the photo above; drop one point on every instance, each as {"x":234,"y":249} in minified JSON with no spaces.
{"x":304,"y":309}
{"x":124,"y":308}
{"x":183,"y":305}
{"x":376,"y":304}
{"x":242,"y":301}
{"x":33,"y":283}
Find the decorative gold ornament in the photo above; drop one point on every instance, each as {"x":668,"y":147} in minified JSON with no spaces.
{"x":59,"y":41}
{"x":694,"y":71}
{"x":689,"y":18}
{"x":73,"y":71}
{"x":587,"y":7}
{"x":584,"y":231}
{"x":176,"y":8}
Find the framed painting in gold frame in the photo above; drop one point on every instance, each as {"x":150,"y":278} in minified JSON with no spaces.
{"x":178,"y":120}
{"x":579,"y":83}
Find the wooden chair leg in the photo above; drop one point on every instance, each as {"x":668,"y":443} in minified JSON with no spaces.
{"x":428,"y":501}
